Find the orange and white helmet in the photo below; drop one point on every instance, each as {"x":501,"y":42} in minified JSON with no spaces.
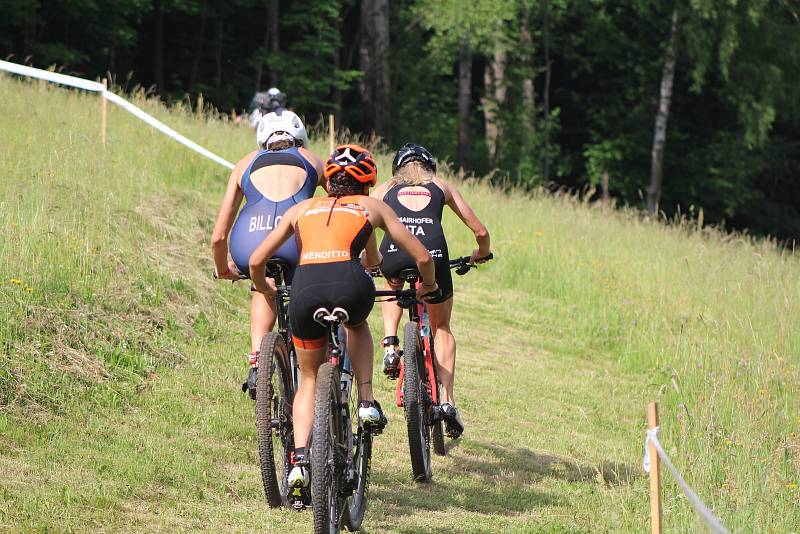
{"x":355,"y":161}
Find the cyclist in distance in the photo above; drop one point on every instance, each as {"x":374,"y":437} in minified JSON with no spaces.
{"x":332,"y":232}
{"x":418,"y":198}
{"x":280,"y":174}
{"x":273,"y":101}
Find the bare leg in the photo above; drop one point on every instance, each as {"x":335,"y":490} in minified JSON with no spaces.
{"x":262,"y":318}
{"x":444,"y":345}
{"x":303,"y":409}
{"x":392,"y":313}
{"x":359,"y":350}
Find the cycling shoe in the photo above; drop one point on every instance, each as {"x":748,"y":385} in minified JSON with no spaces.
{"x":371,"y":415}
{"x":453,"y":424}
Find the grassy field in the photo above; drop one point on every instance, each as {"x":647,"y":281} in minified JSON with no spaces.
{"x":120,"y":360}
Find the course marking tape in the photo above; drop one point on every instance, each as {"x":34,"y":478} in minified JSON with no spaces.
{"x":89,"y":85}
{"x":711,"y":520}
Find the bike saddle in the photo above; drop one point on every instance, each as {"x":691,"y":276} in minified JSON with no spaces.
{"x":324,"y":316}
{"x":408,"y":274}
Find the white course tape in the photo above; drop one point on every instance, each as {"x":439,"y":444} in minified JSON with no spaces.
{"x":88,"y":85}
{"x":713,"y":523}
{"x":55,"y":77}
{"x":158,"y":125}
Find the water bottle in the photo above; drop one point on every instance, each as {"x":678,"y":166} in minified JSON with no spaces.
{"x":425,"y":329}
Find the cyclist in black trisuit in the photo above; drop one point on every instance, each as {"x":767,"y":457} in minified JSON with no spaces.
{"x":418,"y":197}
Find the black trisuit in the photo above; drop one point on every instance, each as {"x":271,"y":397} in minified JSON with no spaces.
{"x":425,"y":225}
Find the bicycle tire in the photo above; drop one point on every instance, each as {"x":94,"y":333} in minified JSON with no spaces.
{"x":325,"y":440}
{"x":356,"y":505}
{"x":274,"y":395}
{"x":419,"y":445}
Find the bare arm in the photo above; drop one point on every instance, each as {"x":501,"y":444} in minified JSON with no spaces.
{"x":318,"y":166}
{"x":371,"y":256}
{"x":227,"y":213}
{"x":380,"y":191}
{"x":268,"y":247}
{"x":457,"y":203}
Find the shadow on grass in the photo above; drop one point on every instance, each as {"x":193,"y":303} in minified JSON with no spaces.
{"x":532,"y":466}
{"x":489,"y":479}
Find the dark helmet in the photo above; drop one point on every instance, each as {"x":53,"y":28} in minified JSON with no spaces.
{"x":410,"y":152}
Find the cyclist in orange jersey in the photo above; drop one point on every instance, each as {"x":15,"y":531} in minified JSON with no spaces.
{"x":331,"y":233}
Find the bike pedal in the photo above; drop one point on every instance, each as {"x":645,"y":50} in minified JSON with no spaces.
{"x":298,"y":500}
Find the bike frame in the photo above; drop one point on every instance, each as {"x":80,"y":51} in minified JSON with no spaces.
{"x":419,"y":313}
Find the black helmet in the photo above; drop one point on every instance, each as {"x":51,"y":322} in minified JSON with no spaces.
{"x":410,"y":152}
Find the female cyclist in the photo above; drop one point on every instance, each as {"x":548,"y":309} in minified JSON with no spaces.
{"x":331,"y":232}
{"x":281,"y":174}
{"x":418,"y":198}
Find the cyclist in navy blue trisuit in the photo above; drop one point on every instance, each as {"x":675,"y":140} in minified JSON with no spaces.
{"x":271,"y":180}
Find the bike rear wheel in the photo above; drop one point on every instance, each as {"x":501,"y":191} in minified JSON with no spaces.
{"x":327,"y":448}
{"x":274,"y":396}
{"x":414,"y":404}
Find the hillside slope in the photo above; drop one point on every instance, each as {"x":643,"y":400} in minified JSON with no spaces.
{"x":121,"y":359}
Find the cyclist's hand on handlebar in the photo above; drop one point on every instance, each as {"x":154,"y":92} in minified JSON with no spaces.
{"x":270,"y":290}
{"x":231,"y":274}
{"x":423,"y":290}
{"x":479,"y":256}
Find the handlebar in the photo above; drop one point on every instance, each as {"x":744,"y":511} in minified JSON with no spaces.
{"x":463,"y":264}
{"x":282,"y":289}
{"x":405,"y":297}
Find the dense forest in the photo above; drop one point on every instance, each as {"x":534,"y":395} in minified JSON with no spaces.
{"x":675,"y":105}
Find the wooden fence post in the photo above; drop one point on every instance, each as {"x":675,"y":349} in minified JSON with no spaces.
{"x":330,"y":131}
{"x":103,"y":111}
{"x":655,"y":480}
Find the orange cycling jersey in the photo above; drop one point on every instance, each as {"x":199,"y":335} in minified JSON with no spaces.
{"x":332,"y":229}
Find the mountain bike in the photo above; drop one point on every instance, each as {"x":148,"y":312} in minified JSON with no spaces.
{"x":418,"y":387}
{"x":277,"y":379}
{"x":340,"y":458}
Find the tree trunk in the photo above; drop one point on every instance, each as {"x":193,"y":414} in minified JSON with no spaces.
{"x":528,"y":90}
{"x":274,"y":38}
{"x":464,"y":101}
{"x":367,"y":65}
{"x":337,"y":66}
{"x":380,"y":13}
{"x":158,"y":49}
{"x":494,"y":97}
{"x":218,"y":52}
{"x":264,"y":48}
{"x":660,"y":134}
{"x":198,"y":51}
{"x":546,"y":174}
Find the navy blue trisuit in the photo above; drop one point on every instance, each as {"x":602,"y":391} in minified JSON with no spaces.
{"x":260,"y":215}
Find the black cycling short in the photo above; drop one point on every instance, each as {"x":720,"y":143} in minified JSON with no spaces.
{"x":328,"y":285}
{"x":443,"y":275}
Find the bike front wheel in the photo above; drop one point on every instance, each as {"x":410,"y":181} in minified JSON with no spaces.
{"x":274,"y":396}
{"x":419,"y":445}
{"x":327,"y":447}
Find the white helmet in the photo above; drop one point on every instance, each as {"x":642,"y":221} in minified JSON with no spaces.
{"x":280,"y":125}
